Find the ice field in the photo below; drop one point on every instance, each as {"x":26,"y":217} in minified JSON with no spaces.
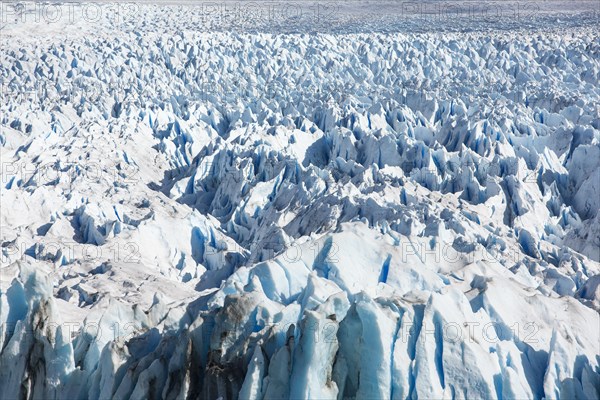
{"x":310,"y":200}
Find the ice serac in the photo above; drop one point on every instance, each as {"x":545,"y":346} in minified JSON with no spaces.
{"x":37,"y":355}
{"x":461,"y":341}
{"x":314,"y":355}
{"x":360,"y":215}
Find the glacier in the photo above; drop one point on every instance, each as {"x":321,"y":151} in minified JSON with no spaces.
{"x":372,"y":210}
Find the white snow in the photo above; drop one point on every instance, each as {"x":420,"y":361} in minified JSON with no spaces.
{"x":352,"y":204}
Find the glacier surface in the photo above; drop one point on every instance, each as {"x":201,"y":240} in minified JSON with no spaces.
{"x":378,"y":214}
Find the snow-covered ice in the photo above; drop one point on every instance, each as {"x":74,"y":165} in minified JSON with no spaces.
{"x":356,"y":204}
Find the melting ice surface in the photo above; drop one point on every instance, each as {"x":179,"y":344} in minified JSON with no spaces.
{"x":192,"y":214}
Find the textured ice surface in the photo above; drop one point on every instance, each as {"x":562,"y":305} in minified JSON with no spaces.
{"x":202,"y":214}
